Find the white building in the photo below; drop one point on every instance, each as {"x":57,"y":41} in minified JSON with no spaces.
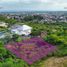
{"x":21,"y":30}
{"x":3,"y":24}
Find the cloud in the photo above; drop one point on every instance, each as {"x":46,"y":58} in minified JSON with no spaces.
{"x":9,"y":0}
{"x":33,"y":4}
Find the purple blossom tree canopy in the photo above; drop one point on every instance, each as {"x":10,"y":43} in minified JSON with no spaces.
{"x":31,"y":50}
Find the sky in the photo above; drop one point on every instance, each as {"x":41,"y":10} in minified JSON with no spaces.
{"x":33,"y":5}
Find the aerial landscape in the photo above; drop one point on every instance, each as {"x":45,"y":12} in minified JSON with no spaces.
{"x":33,"y":33}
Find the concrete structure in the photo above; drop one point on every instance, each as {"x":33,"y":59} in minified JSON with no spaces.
{"x":21,"y":29}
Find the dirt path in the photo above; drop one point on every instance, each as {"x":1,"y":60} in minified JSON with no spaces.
{"x":55,"y":62}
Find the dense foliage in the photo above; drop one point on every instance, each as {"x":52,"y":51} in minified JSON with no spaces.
{"x":56,"y":35}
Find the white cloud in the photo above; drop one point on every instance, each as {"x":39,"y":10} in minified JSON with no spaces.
{"x":8,"y":0}
{"x":53,"y":3}
{"x":35,"y":4}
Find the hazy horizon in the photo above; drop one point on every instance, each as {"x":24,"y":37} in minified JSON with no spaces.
{"x":33,"y":5}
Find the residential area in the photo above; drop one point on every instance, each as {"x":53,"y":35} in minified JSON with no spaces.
{"x":39,"y":17}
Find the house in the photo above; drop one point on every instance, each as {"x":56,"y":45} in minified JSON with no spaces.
{"x":21,"y":29}
{"x":3,"y":24}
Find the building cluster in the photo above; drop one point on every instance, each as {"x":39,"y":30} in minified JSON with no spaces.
{"x":44,"y":17}
{"x":14,"y":30}
{"x":54,"y":18}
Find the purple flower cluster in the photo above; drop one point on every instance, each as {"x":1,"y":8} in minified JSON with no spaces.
{"x":31,"y":50}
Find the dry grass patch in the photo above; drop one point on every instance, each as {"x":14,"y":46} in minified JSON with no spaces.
{"x":55,"y":62}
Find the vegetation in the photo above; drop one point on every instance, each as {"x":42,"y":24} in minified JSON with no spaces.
{"x":56,"y":35}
